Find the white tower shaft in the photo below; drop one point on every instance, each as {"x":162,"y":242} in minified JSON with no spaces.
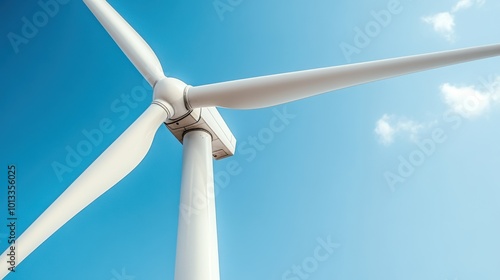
{"x":197,"y":250}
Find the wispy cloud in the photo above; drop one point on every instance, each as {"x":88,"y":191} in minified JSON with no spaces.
{"x":471,"y":101}
{"x":465,"y":4}
{"x":444,"y":22}
{"x":466,"y":101}
{"x":389,"y":127}
{"x":385,"y":130}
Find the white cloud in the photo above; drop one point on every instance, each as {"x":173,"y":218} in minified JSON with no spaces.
{"x":384,"y":130}
{"x":469,"y":101}
{"x":462,"y":4}
{"x":443,"y":23}
{"x":388,"y":127}
{"x":466,"y":4}
{"x":466,"y":101}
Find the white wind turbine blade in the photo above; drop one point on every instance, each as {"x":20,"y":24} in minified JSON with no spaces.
{"x":272,"y":90}
{"x":109,"y":168}
{"x":129,"y":41}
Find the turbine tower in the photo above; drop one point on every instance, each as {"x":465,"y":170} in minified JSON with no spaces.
{"x":189,"y":113}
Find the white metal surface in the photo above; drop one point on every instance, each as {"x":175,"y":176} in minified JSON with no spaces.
{"x":109,"y":168}
{"x":197,"y":254}
{"x":277,"y":89}
{"x":129,"y":41}
{"x":209,"y":119}
{"x":171,"y":91}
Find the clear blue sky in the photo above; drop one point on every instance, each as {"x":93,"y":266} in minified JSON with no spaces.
{"x":331,"y":174}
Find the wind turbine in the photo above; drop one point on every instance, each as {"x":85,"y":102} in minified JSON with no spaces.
{"x":190,"y":114}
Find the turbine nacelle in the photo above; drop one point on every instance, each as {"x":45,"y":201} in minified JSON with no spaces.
{"x":170,"y":94}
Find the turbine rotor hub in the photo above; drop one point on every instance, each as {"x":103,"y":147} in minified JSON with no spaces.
{"x":170,"y":92}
